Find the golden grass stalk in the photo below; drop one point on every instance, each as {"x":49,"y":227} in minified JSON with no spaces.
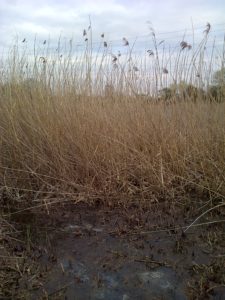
{"x":61,"y":132}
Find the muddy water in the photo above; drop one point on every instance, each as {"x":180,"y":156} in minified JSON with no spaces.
{"x":100,"y":256}
{"x":96,"y":266}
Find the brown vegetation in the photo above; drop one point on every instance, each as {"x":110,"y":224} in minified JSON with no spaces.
{"x":70,"y":132}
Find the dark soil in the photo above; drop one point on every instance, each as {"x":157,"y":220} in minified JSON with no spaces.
{"x":82,"y":252}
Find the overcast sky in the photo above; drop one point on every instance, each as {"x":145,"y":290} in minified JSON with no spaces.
{"x":116,"y":18}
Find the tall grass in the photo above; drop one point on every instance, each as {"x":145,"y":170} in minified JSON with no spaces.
{"x":93,"y":127}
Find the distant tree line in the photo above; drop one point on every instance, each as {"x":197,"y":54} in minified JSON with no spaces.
{"x":184,"y":91}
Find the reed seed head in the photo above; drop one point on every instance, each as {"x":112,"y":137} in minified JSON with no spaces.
{"x":208,"y":28}
{"x":150,"y":52}
{"x":114,"y":58}
{"x":125,"y":42}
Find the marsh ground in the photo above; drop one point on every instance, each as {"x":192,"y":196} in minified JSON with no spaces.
{"x":91,"y":252}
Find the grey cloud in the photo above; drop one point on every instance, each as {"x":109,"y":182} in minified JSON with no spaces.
{"x":117,"y":18}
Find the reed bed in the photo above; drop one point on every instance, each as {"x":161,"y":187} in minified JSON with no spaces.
{"x":94,"y":127}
